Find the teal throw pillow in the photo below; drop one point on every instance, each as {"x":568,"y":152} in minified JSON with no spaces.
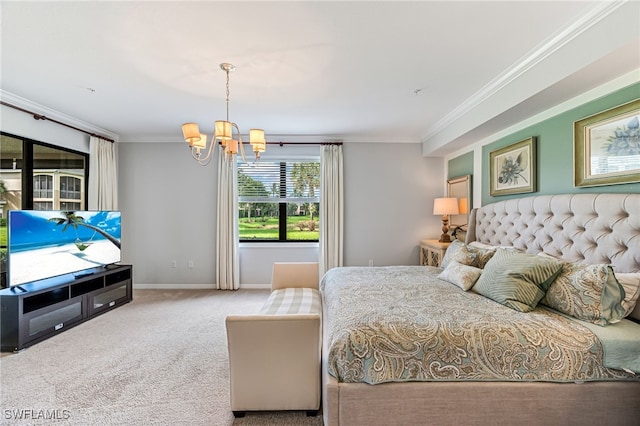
{"x":517,"y":280}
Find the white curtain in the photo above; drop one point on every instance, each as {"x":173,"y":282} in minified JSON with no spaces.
{"x":227,"y":259}
{"x":331,"y":208}
{"x":103,"y":182}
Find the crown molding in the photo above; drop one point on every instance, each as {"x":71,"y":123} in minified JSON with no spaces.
{"x":21,"y":102}
{"x":281,"y":138}
{"x":619,"y":83}
{"x":528,"y":62}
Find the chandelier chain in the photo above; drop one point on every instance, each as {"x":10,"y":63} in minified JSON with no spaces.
{"x":227,"y":94}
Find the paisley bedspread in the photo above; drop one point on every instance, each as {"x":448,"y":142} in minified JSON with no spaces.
{"x":401,"y":323}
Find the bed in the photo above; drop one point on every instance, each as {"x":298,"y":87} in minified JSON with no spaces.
{"x":419,"y":345}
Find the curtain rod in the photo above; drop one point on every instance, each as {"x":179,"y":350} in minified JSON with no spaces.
{"x":37,"y":116}
{"x":293,"y":143}
{"x":303,"y":143}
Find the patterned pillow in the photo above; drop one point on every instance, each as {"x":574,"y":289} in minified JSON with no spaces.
{"x":483,"y":253}
{"x":517,"y":280}
{"x":459,"y":252}
{"x":464,"y":276}
{"x":587,"y":292}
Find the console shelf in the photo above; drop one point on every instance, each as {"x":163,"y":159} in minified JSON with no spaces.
{"x":33,"y":312}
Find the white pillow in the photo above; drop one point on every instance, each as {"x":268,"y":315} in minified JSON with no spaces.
{"x":464,"y":276}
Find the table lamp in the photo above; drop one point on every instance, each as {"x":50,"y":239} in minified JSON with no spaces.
{"x":445,"y":207}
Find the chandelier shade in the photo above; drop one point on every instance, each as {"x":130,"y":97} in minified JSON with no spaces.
{"x":231,"y":147}
{"x":223,"y":134}
{"x":257,"y":141}
{"x":191,"y":133}
{"x":223,"y":130}
{"x":202,"y":142}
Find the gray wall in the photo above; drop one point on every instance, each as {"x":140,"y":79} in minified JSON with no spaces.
{"x":389,"y":192}
{"x":168,"y":205}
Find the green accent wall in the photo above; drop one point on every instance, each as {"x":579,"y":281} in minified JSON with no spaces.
{"x":461,"y":165}
{"x":555,"y":150}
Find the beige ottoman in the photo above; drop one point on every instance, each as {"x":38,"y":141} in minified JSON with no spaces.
{"x":274,"y":356}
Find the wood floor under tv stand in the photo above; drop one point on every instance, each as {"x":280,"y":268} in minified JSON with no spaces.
{"x":33,"y":312}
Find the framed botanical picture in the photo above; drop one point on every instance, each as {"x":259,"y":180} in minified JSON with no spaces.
{"x":513,"y":168}
{"x":607,"y":147}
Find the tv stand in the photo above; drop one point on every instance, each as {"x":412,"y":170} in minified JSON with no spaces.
{"x":82,"y":275}
{"x":42,"y":309}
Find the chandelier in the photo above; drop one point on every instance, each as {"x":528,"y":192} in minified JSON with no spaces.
{"x":224,"y":134}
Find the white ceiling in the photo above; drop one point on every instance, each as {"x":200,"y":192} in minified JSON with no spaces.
{"x":442,"y":72}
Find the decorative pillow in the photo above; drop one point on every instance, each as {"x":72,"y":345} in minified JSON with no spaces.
{"x":517,"y":280}
{"x":464,"y":276}
{"x":587,"y":292}
{"x":631,"y":284}
{"x":484,"y":252}
{"x":459,"y":252}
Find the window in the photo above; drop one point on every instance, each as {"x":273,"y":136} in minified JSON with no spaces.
{"x":278,"y":201}
{"x":70,"y":188}
{"x":42,"y":186}
{"x":42,"y":205}
{"x":38,"y":176}
{"x":57,"y":191}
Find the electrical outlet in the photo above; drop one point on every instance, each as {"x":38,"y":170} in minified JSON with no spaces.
{"x":190,"y":264}
{"x":174,"y":264}
{"x":370,"y":262}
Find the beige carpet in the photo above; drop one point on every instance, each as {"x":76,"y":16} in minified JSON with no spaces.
{"x":159,"y":360}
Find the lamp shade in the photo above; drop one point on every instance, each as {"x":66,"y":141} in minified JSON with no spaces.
{"x":256,"y":139}
{"x":201,"y":142}
{"x":223,"y":130}
{"x":445,"y":206}
{"x":232,"y":147}
{"x":463,"y":205}
{"x":191,"y":133}
{"x":256,"y":136}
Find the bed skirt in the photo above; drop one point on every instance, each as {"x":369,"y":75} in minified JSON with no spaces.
{"x":480,"y":403}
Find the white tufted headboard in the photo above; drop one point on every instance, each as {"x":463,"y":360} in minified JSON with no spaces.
{"x":591,"y":228}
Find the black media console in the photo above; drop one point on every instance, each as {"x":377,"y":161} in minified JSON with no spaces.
{"x":33,"y":312}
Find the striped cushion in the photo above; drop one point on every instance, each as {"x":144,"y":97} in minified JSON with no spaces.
{"x":293,"y":301}
{"x":517,"y":280}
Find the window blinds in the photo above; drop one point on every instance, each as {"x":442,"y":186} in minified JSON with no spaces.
{"x":279,"y":182}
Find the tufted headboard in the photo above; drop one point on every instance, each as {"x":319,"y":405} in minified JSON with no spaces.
{"x":591,"y":228}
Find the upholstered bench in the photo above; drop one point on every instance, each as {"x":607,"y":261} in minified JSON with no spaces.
{"x":274,"y":355}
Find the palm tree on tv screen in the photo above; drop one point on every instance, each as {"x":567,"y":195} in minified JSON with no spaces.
{"x":71,"y":219}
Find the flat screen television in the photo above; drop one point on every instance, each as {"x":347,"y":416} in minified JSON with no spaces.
{"x":49,"y":243}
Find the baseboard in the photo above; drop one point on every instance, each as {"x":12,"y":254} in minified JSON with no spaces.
{"x":255,"y":286}
{"x":137,"y":286}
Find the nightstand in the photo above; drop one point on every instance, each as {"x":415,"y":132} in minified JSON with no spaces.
{"x":432,"y":252}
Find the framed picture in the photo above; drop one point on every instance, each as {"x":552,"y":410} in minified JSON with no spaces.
{"x":607,"y":147}
{"x":513,"y":168}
